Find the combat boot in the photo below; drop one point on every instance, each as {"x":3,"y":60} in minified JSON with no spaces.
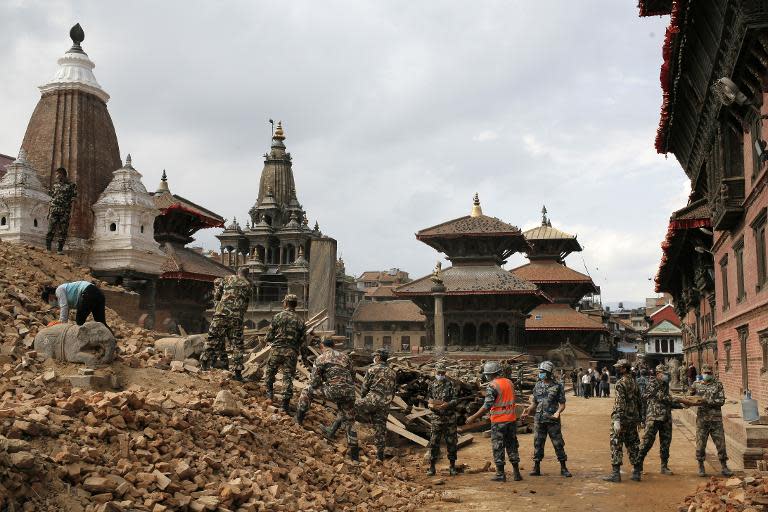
{"x":270,"y":393}
{"x":48,"y":245}
{"x":205,"y":362}
{"x":536,"y":471}
{"x":354,"y":453}
{"x":516,"y":476}
{"x":380,"y":454}
{"x":500,"y":476}
{"x":287,"y":407}
{"x":615,"y":475}
{"x":60,"y":248}
{"x":237,"y":375}
{"x":330,"y":432}
{"x":665,"y":469}
{"x":431,"y":471}
{"x":725,"y":470}
{"x":702,"y":471}
{"x":637,"y":472}
{"x":452,"y":469}
{"x":564,"y":470}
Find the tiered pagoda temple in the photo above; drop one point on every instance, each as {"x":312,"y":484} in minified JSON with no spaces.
{"x":484,"y":305}
{"x":558,"y":323}
{"x":283,"y":254}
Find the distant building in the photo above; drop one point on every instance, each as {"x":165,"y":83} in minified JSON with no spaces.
{"x":379,"y":285}
{"x":398,"y":325}
{"x":5,"y":161}
{"x":664,"y":338}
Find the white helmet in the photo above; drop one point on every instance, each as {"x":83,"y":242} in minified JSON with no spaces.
{"x":491,"y":368}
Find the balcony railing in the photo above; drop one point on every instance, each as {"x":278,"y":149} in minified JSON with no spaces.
{"x":728,"y":210}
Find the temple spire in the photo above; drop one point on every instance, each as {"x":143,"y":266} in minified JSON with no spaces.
{"x":163,"y":184}
{"x":279,"y":134}
{"x":476,"y":210}
{"x":77,"y":35}
{"x":544,"y":220}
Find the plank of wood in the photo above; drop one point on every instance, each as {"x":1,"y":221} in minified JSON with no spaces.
{"x":394,"y":420}
{"x":465,"y":440}
{"x":408,"y":435}
{"x":418,"y":414}
{"x":399,"y":402}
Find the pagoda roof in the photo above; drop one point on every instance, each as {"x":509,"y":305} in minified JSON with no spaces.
{"x":695,"y":215}
{"x":388,"y":311}
{"x":695,"y":211}
{"x":385,"y":290}
{"x":167,"y":202}
{"x":183,"y":263}
{"x":547,"y":233}
{"x":473,"y":280}
{"x":549,"y":271}
{"x":480,"y":225}
{"x":561,"y":317}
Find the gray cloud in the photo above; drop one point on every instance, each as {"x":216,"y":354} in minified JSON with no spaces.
{"x":395,"y":112}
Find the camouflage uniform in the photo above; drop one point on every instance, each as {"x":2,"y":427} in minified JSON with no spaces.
{"x":375,"y":396}
{"x":333,"y":372}
{"x":658,"y":418}
{"x":285,"y":335}
{"x":626,"y":410}
{"x":62,"y":195}
{"x":503,"y":434}
{"x":443,"y":421}
{"x":709,"y":418}
{"x":231,"y":294}
{"x":682,"y":374}
{"x":547,"y":396}
{"x":642,"y":383}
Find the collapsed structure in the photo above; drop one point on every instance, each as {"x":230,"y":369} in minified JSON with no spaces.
{"x":125,"y":234}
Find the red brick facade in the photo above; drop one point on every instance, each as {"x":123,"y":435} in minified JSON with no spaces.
{"x":743,"y":321}
{"x":73,"y":129}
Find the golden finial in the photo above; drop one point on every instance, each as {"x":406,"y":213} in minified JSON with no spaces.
{"x":279,"y":135}
{"x":544,"y":220}
{"x":476,"y":210}
{"x":437,"y":274}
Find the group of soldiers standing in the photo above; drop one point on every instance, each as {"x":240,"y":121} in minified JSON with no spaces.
{"x":627,"y":417}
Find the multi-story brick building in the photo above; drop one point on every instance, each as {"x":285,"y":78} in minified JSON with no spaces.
{"x":714,"y":79}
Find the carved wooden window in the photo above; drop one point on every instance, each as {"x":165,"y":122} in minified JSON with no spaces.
{"x":727,"y":347}
{"x":758,"y":227}
{"x":756,"y":135}
{"x":762,"y":336}
{"x":738,"y":253}
{"x":724,"y":282}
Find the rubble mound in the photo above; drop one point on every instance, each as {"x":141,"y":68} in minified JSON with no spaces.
{"x":736,"y":494}
{"x":162,"y":442}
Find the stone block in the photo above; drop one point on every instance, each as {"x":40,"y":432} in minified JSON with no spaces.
{"x":182,"y":348}
{"x":90,"y":343}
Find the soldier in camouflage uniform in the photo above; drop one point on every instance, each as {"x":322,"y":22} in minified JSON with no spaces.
{"x":709,"y":419}
{"x":625,"y":418}
{"x":682,"y":375}
{"x":500,"y":402}
{"x":62,"y":195}
{"x":442,"y":403}
{"x":658,"y":418}
{"x":375,"y":396}
{"x":285,"y":335}
{"x":231,"y":294}
{"x":548,"y":402}
{"x":333,"y":373}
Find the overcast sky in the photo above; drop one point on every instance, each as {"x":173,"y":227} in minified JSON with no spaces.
{"x":395,"y":113}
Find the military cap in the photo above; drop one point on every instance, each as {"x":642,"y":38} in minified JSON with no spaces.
{"x":661,"y":368}
{"x":382,"y":353}
{"x":491,"y":368}
{"x":622,"y":362}
{"x":440,"y":367}
{"x":706,"y":368}
{"x":291,"y":298}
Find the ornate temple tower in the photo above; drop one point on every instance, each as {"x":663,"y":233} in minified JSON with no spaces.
{"x":123,"y":232}
{"x":483,"y":304}
{"x":23,"y":204}
{"x":71,"y":128}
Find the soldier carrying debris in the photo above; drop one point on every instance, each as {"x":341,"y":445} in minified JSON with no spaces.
{"x":625,"y":418}
{"x":376,"y":394}
{"x":231,"y":294}
{"x":285,"y":335}
{"x":442,"y":402}
{"x":709,"y":418}
{"x":333,"y":372}
{"x":500,"y":401}
{"x":63,"y":192}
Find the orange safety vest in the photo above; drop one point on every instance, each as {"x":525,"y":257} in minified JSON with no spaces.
{"x":503,"y":409}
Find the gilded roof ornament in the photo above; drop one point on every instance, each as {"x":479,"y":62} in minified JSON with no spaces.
{"x":279,"y":134}
{"x":476,"y":210}
{"x":77,"y":35}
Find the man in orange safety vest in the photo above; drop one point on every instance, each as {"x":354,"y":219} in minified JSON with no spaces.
{"x":500,"y":403}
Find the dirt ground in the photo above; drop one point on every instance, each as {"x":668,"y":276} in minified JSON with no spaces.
{"x":585,"y":429}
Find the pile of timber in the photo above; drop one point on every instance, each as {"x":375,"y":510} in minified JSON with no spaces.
{"x":409,"y":416}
